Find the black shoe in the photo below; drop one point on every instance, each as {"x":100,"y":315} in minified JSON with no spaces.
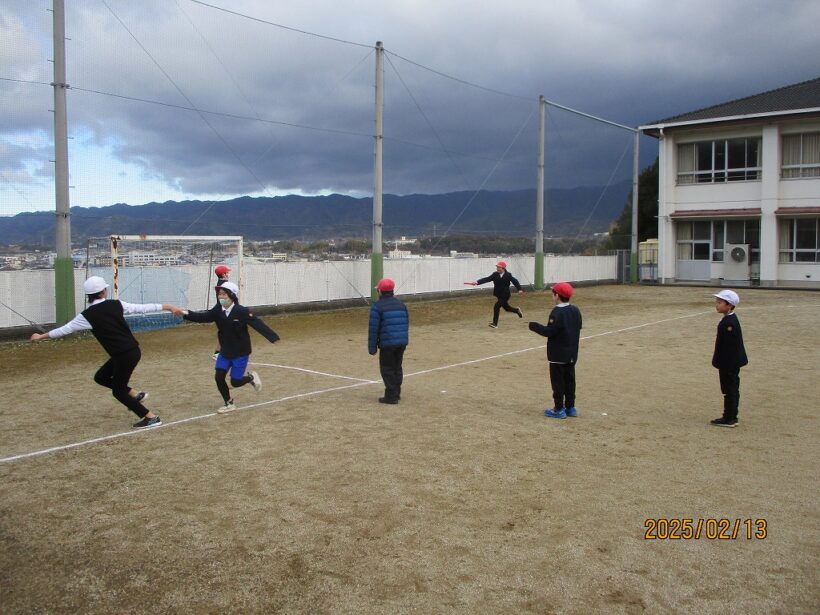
{"x":384,"y":400}
{"x":141,"y":396}
{"x":493,"y":325}
{"x":722,"y":422}
{"x":520,"y":313}
{"x":154,"y":421}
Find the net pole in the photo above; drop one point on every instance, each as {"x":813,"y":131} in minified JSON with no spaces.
{"x":377,"y":258}
{"x":633,"y":264}
{"x":63,"y":265}
{"x":538,"y":282}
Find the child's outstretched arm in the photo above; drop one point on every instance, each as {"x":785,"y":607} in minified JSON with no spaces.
{"x":78,"y":323}
{"x":204,"y":316}
{"x":264,"y":330}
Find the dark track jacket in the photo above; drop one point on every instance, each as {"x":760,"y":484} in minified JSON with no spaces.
{"x":564,"y":332}
{"x":501,"y":283}
{"x":389,"y":324}
{"x":730,"y":352}
{"x":234,"y":339}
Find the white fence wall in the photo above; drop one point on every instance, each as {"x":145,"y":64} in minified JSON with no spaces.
{"x":30,"y":293}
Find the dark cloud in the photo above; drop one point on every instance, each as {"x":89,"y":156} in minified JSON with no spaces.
{"x":303,"y":105}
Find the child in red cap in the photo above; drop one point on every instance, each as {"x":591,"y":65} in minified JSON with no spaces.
{"x":223,"y":274}
{"x":564,"y":332}
{"x":388,"y":334}
{"x":501,"y":280}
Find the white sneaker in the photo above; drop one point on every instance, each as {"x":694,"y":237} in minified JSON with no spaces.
{"x":256,"y":382}
{"x":229,"y":405}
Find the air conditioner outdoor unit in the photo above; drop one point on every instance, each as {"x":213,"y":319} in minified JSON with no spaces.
{"x":736,"y":262}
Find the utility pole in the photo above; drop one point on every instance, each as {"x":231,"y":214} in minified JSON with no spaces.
{"x":377,"y":258}
{"x":633,"y":261}
{"x":63,"y":264}
{"x":539,"y":210}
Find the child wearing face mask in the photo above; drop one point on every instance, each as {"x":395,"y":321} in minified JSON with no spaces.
{"x":232,"y":322}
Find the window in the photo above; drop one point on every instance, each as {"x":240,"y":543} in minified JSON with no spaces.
{"x":800,"y":240}
{"x":735,"y":231}
{"x":694,"y":240}
{"x":719,"y":161}
{"x":801,"y":155}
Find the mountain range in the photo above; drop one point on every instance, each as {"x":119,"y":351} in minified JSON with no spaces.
{"x":566,"y":212}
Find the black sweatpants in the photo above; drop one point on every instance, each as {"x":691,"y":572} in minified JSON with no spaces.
{"x":730,"y":387}
{"x":562,"y":378}
{"x":390,"y":359}
{"x":115,"y":374}
{"x":502,"y":302}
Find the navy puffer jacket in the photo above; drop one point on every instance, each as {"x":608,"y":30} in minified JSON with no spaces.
{"x":389,"y":324}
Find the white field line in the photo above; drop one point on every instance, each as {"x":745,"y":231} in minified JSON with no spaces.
{"x":361,"y":382}
{"x":311,"y":371}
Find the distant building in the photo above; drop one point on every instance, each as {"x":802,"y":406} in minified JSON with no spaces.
{"x":739,"y":191}
{"x":401,"y":254}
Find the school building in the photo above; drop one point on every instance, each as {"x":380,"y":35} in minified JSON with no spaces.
{"x":739,"y":191}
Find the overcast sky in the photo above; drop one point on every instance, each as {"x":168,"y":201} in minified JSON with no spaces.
{"x":231,"y":105}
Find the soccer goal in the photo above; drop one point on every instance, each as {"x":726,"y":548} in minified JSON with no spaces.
{"x":174,"y":269}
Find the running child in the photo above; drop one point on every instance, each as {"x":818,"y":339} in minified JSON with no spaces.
{"x":501,"y":279}
{"x":232,"y":322}
{"x":105,"y":318}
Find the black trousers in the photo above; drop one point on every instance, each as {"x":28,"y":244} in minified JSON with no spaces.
{"x":562,"y":378}
{"x":115,"y":374}
{"x":502,"y":302}
{"x":730,"y":387}
{"x":390,"y":359}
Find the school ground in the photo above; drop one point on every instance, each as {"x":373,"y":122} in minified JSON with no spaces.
{"x":314,"y":498}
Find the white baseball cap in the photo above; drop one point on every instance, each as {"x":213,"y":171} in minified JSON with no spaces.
{"x":729,"y":296}
{"x":230,"y":287}
{"x":93,"y":285}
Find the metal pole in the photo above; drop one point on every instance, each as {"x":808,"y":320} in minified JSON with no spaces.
{"x":377,"y":258}
{"x":633,"y":269}
{"x":539,"y":210}
{"x":63,"y":264}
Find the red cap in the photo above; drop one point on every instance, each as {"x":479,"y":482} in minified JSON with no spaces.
{"x":385,"y":285}
{"x":563,"y":288}
{"x":222,"y":270}
{"x":501,"y":264}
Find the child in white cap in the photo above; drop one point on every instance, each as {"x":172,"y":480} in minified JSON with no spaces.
{"x":105,"y":318}
{"x":232,"y":321}
{"x":729,"y":356}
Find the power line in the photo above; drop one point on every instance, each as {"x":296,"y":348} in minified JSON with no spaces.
{"x":278,"y":25}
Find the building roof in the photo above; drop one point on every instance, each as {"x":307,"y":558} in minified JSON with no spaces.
{"x":791,"y":99}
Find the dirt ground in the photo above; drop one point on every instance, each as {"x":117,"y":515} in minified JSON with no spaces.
{"x":464,"y":498}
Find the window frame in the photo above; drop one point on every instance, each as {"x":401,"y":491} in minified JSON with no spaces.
{"x":800,"y":168}
{"x":720,"y":153}
{"x":695,"y":241}
{"x":789,"y":234}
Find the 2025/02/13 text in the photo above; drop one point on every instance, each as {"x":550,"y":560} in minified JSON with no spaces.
{"x":709,"y":528}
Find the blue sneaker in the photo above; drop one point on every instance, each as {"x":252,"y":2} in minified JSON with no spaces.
{"x":154,"y":421}
{"x":556,"y":414}
{"x":573,"y":412}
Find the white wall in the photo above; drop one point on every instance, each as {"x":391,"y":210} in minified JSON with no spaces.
{"x":31,"y":292}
